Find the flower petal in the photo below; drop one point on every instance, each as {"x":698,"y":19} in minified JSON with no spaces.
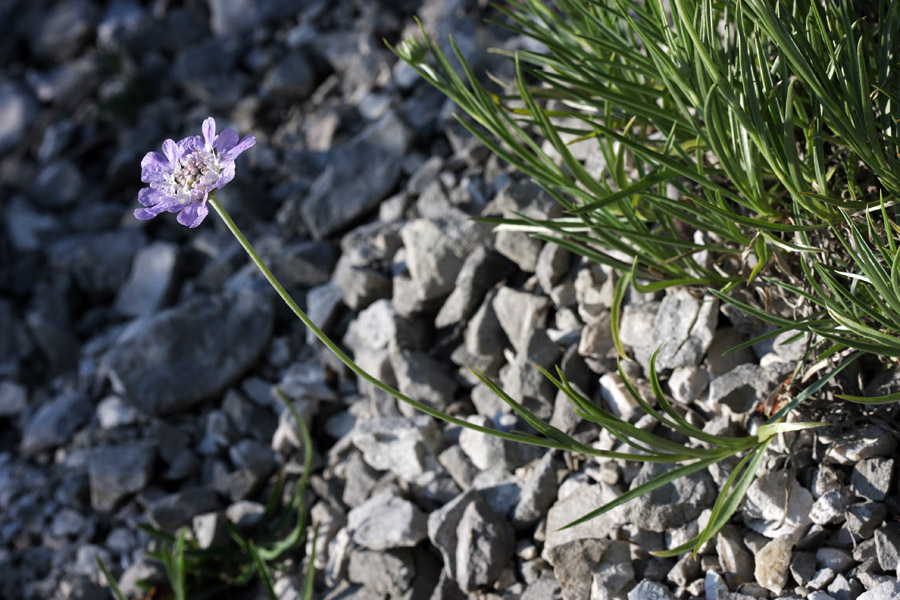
{"x":189,"y":144}
{"x":225,"y":175}
{"x":153,"y":167}
{"x":209,"y":133}
{"x":226,"y":141}
{"x":244,"y":144}
{"x":193,"y":214}
{"x":149,"y":196}
{"x":172,"y":151}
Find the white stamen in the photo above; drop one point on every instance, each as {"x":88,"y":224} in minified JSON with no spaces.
{"x":193,"y":176}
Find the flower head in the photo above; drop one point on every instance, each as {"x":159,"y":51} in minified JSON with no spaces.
{"x":183,"y":176}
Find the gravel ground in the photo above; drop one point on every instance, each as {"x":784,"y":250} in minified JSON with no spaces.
{"x":138,"y":358}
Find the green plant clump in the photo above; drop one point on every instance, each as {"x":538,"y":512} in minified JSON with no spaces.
{"x":747,"y":144}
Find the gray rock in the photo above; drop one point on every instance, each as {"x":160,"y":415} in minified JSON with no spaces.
{"x":386,"y":521}
{"x":872,"y":478}
{"x":423,"y":378}
{"x":172,"y":511}
{"x":244,"y":514}
{"x":835,"y":559}
{"x":864,"y":517}
{"x":715,"y":586}
{"x":248,"y":418}
{"x":484,"y":544}
{"x":67,"y":522}
{"x":683,"y":329}
{"x":688,"y":383}
{"x":116,"y":471}
{"x":360,"y":286}
{"x":671,"y":505}
{"x":150,"y":280}
{"x":839,"y":589}
{"x":614,"y":574}
{"x":305,"y":264}
{"x":209,"y":530}
{"x":442,"y":528}
{"x":359,"y":175}
{"x":144,"y":570}
{"x":435,"y":251}
{"x":388,"y":573}
{"x":322,"y":307}
{"x":405,"y":447}
{"x":156,"y":362}
{"x":491,"y":452}
{"x":889,"y":590}
{"x":545,"y":588}
{"x":867,"y":441}
{"x":458,"y":465}
{"x":734,"y":558}
{"x":803,"y":567}
{"x":484,"y":335}
{"x":553,"y":263}
{"x":54,"y":423}
{"x":574,"y":564}
{"x":740,"y":389}
{"x":520,"y":313}
{"x":887,"y":545}
{"x":13,"y":398}
{"x":637,"y":325}
{"x":498,"y":488}
{"x":17,"y":113}
{"x":650,"y":590}
{"x":726,"y":338}
{"x":596,"y":338}
{"x":829,"y":508}
{"x":480,"y":270}
{"x":58,"y":184}
{"x":525,"y":198}
{"x":292,"y":77}
{"x":764,"y":507}
{"x":686,"y":570}
{"x":575,"y":500}
{"x":360,"y":479}
{"x":537,"y":493}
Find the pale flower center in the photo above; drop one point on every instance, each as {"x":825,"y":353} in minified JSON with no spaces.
{"x":193,"y":176}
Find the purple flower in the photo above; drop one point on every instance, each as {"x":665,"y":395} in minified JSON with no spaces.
{"x":181,"y":180}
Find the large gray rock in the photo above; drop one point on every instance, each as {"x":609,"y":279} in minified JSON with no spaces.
{"x":55,"y":422}
{"x":889,"y":590}
{"x":436,"y":249}
{"x":537,"y":493}
{"x":194,"y":351}
{"x":520,"y":313}
{"x":872,"y":478}
{"x":359,"y":175}
{"x":405,"y":447}
{"x":671,"y":505}
{"x":389,"y":573}
{"x":764,"y":507}
{"x":484,"y":544}
{"x":116,"y":471}
{"x":525,"y":198}
{"x":683,"y":329}
{"x":386,"y":521}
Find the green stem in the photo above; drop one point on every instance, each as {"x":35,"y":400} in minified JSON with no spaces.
{"x":233,"y":228}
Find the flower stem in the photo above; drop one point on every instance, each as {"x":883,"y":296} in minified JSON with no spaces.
{"x":273,"y":281}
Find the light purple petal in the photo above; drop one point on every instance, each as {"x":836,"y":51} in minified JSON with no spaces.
{"x":153,"y":167}
{"x":193,"y":215}
{"x":149,"y":196}
{"x":225,"y":175}
{"x":244,"y":144}
{"x":172,"y":151}
{"x":226,"y":141}
{"x":209,"y":132}
{"x":145,"y":214}
{"x":189,"y":144}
